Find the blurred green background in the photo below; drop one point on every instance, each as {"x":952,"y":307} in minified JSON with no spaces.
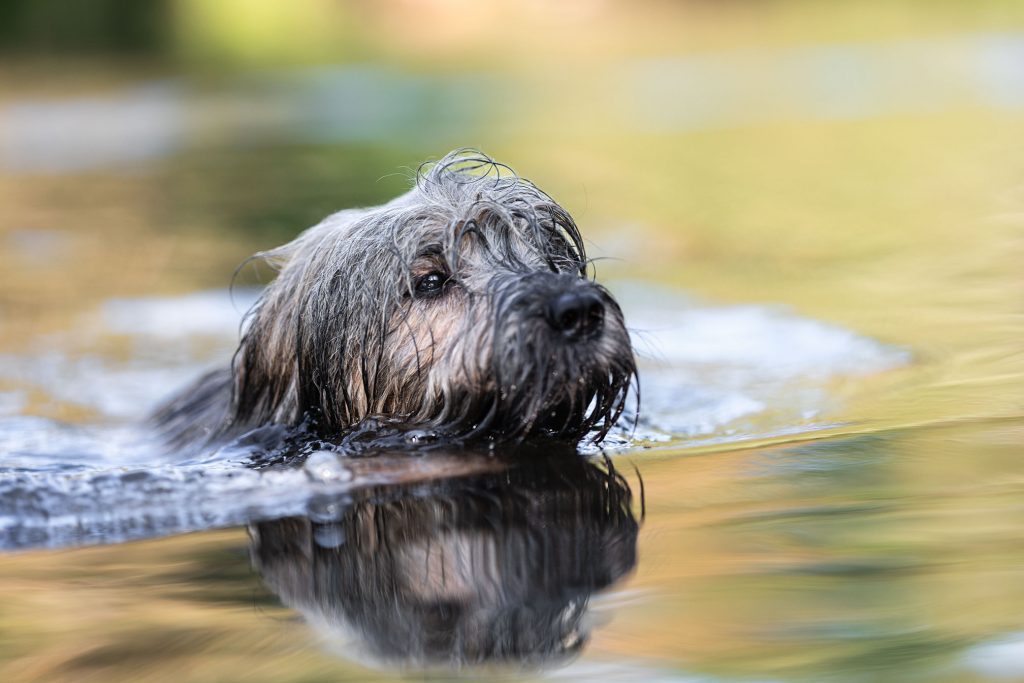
{"x":860,"y":161}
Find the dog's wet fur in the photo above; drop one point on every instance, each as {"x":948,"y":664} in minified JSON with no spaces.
{"x":462,"y":309}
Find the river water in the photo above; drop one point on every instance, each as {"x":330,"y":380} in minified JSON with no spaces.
{"x":826,"y":479}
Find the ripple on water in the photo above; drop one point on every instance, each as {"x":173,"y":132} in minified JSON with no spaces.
{"x":708,"y":374}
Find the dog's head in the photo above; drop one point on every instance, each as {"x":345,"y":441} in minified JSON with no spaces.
{"x":463,"y":305}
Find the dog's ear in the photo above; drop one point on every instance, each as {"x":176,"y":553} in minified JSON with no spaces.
{"x":280,"y":370}
{"x":335,"y":226}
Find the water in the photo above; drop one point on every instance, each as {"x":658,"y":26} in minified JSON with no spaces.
{"x":817,"y":247}
{"x":710,"y":375}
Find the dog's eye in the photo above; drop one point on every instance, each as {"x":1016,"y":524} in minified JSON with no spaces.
{"x":431,"y":284}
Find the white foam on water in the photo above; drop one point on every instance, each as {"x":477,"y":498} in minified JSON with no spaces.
{"x":766,"y":342}
{"x":709,"y":374}
{"x":740,"y":371}
{"x":12,"y":402}
{"x":200,"y":314}
{"x":1001,"y":659}
{"x":626,"y":671}
{"x":172,"y":341}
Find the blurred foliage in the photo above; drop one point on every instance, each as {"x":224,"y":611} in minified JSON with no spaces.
{"x":248,"y":33}
{"x":97,"y":26}
{"x":265,"y":33}
{"x":273,"y":193}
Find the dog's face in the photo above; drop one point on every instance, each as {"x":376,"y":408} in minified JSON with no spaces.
{"x":462,"y":305}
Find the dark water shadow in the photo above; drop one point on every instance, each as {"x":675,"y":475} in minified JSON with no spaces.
{"x":495,"y":568}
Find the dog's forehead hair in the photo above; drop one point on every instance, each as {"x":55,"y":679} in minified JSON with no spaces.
{"x":464,"y":212}
{"x":488,"y":225}
{"x":455,"y":214}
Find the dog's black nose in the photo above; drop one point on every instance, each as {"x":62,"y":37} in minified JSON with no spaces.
{"x":577,"y":315}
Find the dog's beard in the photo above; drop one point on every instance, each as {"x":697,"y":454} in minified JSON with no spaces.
{"x":505,"y":374}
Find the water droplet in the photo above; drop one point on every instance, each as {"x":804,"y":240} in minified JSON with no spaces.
{"x":329,"y":535}
{"x":420,"y":436}
{"x":326,"y":467}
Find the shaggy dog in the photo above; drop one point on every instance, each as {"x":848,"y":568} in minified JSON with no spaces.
{"x":459,"y":310}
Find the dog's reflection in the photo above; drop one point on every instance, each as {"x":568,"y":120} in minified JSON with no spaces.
{"x":492,"y":568}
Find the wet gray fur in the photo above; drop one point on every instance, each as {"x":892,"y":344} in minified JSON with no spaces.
{"x":346,"y":333}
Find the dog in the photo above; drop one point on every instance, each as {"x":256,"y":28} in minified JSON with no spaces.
{"x":460,"y":310}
